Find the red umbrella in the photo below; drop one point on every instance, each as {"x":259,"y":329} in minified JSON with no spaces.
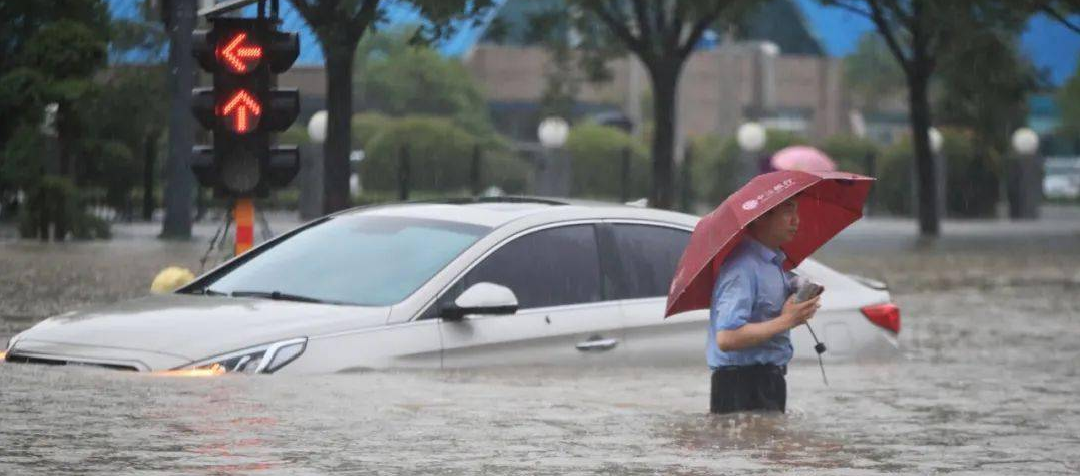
{"x":828,"y":203}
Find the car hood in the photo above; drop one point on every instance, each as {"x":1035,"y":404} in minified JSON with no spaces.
{"x":194,"y":327}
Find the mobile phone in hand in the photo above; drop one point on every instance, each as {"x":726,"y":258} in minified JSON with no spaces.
{"x":807,"y":290}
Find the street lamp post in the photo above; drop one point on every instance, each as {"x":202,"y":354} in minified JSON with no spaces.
{"x":937,"y":142}
{"x":751,"y":138}
{"x":311,"y":169}
{"x":1025,"y":176}
{"x":937,"y":161}
{"x":553,"y":177}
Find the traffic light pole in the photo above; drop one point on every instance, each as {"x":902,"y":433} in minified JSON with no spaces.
{"x":244,"y":216}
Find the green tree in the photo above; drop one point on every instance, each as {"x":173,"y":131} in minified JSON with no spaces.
{"x":662,"y":35}
{"x":716,"y":166}
{"x":971,"y":178}
{"x":367,"y":125}
{"x":128,"y":120}
{"x":49,"y":53}
{"x":440,"y":158}
{"x":849,"y":152}
{"x":918,"y":33}
{"x":871,"y":72}
{"x":596,"y":154}
{"x":339,"y":25}
{"x":986,"y":95}
{"x":397,"y":80}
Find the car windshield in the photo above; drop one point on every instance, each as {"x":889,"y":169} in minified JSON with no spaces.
{"x":363,"y":259}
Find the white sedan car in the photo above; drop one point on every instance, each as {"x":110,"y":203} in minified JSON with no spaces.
{"x":508,"y":281}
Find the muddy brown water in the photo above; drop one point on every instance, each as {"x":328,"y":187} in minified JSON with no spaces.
{"x":987,"y":384}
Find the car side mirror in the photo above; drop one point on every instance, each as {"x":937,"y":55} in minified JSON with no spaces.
{"x":481,"y":298}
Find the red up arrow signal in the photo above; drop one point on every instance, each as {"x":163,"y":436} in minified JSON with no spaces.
{"x":240,"y":57}
{"x":244,"y":109}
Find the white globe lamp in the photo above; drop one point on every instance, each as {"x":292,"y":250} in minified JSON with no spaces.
{"x":316,"y":127}
{"x":1025,"y":141}
{"x":937,"y":141}
{"x":751,"y":137}
{"x":553,"y":132}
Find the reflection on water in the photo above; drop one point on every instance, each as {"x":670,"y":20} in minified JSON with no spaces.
{"x":988,"y":384}
{"x":979,"y":391}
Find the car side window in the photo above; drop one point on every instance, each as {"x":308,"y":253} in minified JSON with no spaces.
{"x":647,"y":256}
{"x":551,"y":267}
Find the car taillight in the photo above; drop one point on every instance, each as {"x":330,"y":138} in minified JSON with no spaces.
{"x":886,"y":316}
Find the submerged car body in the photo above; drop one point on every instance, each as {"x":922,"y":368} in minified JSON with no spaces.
{"x":511,"y":281}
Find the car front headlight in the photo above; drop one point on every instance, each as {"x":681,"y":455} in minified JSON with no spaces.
{"x":262,"y":359}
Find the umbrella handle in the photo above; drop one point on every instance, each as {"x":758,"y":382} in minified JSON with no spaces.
{"x":820,"y":348}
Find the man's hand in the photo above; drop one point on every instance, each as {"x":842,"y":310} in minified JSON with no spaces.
{"x":795,"y":314}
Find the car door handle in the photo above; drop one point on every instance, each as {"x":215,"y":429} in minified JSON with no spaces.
{"x":597,"y":343}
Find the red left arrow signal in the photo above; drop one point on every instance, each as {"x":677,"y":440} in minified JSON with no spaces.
{"x":240,"y":57}
{"x":242,"y":111}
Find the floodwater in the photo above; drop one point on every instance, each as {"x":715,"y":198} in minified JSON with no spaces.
{"x":987,"y":384}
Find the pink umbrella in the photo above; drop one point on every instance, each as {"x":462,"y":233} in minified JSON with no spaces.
{"x":802,"y":158}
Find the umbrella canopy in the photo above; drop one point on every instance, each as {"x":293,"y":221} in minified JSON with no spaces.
{"x":804,"y":158}
{"x":828,"y":203}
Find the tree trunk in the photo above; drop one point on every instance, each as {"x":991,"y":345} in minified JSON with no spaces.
{"x":919,"y":103}
{"x":665,"y":79}
{"x":180,"y":181}
{"x":339,"y":62}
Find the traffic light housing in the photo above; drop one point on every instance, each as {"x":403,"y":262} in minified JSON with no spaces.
{"x":243,"y":110}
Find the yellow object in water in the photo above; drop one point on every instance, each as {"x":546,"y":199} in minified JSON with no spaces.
{"x":171,"y":278}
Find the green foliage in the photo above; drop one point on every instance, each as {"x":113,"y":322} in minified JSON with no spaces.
{"x":112,"y":166}
{"x":398,"y":80}
{"x":297,"y":134}
{"x":849,"y":152}
{"x":971,"y":179}
{"x":872,"y":73}
{"x":20,"y":20}
{"x":53,"y":208}
{"x":596,"y":160}
{"x":22,"y":165}
{"x":716,"y":168}
{"x":985,"y":92}
{"x":776,"y":140}
{"x":367,"y":125}
{"x":119,"y":121}
{"x":893,"y":189}
{"x":440,"y":158}
{"x":66,"y":49}
{"x":105,"y":123}
{"x":22,"y":95}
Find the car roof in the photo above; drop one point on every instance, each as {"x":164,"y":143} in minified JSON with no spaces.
{"x":498,"y":211}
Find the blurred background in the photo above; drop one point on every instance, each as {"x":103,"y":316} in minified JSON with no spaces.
{"x":90,"y":96}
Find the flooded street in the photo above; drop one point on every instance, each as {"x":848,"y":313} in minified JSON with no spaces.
{"x":988,"y":384}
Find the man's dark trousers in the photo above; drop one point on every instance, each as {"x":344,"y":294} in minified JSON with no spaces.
{"x":749,"y":387}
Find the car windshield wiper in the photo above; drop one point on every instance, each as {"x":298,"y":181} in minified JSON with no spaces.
{"x":279,"y":296}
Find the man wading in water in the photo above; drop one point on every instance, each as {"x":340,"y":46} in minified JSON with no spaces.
{"x":751,"y":315}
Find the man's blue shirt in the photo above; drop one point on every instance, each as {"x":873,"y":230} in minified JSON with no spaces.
{"x":750,"y":287}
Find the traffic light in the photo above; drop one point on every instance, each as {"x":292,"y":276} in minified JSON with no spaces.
{"x":243,"y":109}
